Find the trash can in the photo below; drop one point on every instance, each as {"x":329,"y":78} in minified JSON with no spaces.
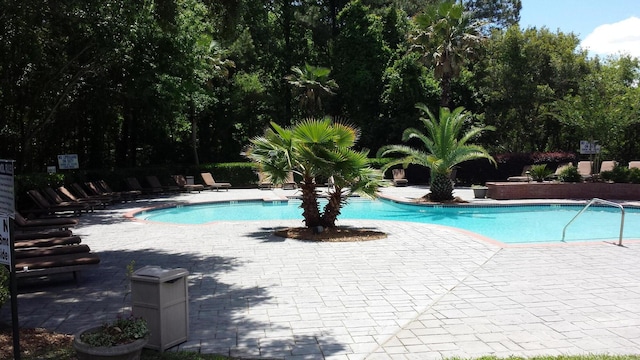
{"x":190,"y":180}
{"x":160,"y":296}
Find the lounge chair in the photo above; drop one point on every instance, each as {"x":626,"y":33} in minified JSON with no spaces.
{"x":56,"y":199}
{"x":399,"y":177}
{"x":289,"y":183}
{"x":102,"y":187}
{"x":559,"y":170}
{"x":69,"y":196}
{"x":585,"y":169}
{"x":82,"y":194}
{"x":210,"y":183}
{"x":634,"y":164}
{"x":264,"y":181}
{"x":42,"y":234}
{"x":46,"y":260}
{"x":24,"y":224}
{"x":525,"y":176}
{"x":181,"y":183}
{"x":134,"y":185}
{"x":608,"y":165}
{"x":45,"y":206}
{"x":49,"y":241}
{"x":153,"y":181}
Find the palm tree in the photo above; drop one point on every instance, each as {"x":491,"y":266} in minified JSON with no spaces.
{"x":316,"y":148}
{"x":446,"y":36}
{"x":446,"y":148}
{"x":312,"y":84}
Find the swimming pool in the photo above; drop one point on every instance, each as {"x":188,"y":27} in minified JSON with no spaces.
{"x":507,"y":224}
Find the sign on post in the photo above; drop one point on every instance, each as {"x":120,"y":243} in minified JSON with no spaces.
{"x":7,"y":200}
{"x":68,"y":161}
{"x":7,"y":214}
{"x":5,"y":241}
{"x":589,"y":147}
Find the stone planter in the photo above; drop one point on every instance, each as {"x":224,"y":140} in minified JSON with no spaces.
{"x":130,"y":351}
{"x":480,"y":192}
{"x":556,"y":190}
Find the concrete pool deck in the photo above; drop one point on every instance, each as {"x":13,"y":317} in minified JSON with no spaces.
{"x":425,"y":292}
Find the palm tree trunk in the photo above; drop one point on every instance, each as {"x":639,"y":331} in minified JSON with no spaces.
{"x":310,"y":206}
{"x":332,"y":209}
{"x":441,"y":187}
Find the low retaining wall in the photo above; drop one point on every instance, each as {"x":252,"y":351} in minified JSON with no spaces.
{"x":556,"y":190}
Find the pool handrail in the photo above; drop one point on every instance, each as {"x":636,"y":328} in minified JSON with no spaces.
{"x":604,"y":202}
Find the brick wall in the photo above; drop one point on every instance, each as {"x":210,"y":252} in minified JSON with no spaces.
{"x":534,"y":190}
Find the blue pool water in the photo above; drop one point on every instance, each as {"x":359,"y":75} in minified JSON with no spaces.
{"x":507,"y":224}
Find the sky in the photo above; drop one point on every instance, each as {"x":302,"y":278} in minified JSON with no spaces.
{"x":605,"y":27}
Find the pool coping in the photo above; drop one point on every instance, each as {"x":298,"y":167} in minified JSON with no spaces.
{"x":131,"y":215}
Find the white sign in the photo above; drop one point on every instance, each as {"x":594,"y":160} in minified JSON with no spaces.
{"x":5,"y":246}
{"x":68,"y":161}
{"x":589,"y":147}
{"x":7,"y":200}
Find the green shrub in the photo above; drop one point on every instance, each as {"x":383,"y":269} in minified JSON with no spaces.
{"x":540,"y":172}
{"x":4,"y":285}
{"x":634,"y":176}
{"x":570,"y":174}
{"x":619,"y":174}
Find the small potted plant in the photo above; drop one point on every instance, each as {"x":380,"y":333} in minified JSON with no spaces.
{"x":122,"y":339}
{"x":479,"y":191}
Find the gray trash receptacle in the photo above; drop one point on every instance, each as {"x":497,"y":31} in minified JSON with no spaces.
{"x":190,"y":180}
{"x":160,"y":296}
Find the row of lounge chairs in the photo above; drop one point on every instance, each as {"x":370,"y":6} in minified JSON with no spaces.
{"x":47,"y":246}
{"x":44,"y":241}
{"x":77,"y":199}
{"x":265,"y":182}
{"x":177,"y":183}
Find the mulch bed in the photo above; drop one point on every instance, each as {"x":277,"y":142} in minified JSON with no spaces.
{"x":32,"y":341}
{"x":335,"y":234}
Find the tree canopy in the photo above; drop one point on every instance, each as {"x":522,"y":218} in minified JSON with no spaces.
{"x":126,"y":84}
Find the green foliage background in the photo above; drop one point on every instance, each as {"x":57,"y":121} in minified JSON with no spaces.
{"x":180,"y":83}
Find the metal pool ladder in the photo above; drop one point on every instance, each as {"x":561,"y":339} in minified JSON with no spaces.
{"x":605,"y":202}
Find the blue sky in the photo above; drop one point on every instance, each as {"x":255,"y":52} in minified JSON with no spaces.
{"x":605,"y":26}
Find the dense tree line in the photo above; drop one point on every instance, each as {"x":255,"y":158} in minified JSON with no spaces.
{"x":130,"y":83}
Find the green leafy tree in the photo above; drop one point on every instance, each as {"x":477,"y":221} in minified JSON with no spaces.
{"x":606,"y":106}
{"x":521,"y":75}
{"x":316,"y":149}
{"x":361,"y":56}
{"x":495,"y":14}
{"x":312,"y":84}
{"x":447,"y":37}
{"x":446,"y":146}
{"x":406,"y":83}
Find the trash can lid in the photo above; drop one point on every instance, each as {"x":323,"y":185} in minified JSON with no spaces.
{"x":158,"y":274}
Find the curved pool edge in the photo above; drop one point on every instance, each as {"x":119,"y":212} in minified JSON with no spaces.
{"x":477,"y":236}
{"x":131,"y":215}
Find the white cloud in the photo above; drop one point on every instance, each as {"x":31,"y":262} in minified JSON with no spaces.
{"x":616,"y":38}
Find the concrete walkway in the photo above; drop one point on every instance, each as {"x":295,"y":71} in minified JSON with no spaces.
{"x":424,"y":292}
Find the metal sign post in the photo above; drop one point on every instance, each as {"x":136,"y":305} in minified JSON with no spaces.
{"x":7,"y":254}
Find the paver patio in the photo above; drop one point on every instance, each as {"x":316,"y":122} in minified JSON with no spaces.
{"x":424,"y":292}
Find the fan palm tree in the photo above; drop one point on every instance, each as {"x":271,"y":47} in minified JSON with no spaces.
{"x":446,"y":36}
{"x":446,"y":147}
{"x":316,"y":148}
{"x":313,"y":84}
